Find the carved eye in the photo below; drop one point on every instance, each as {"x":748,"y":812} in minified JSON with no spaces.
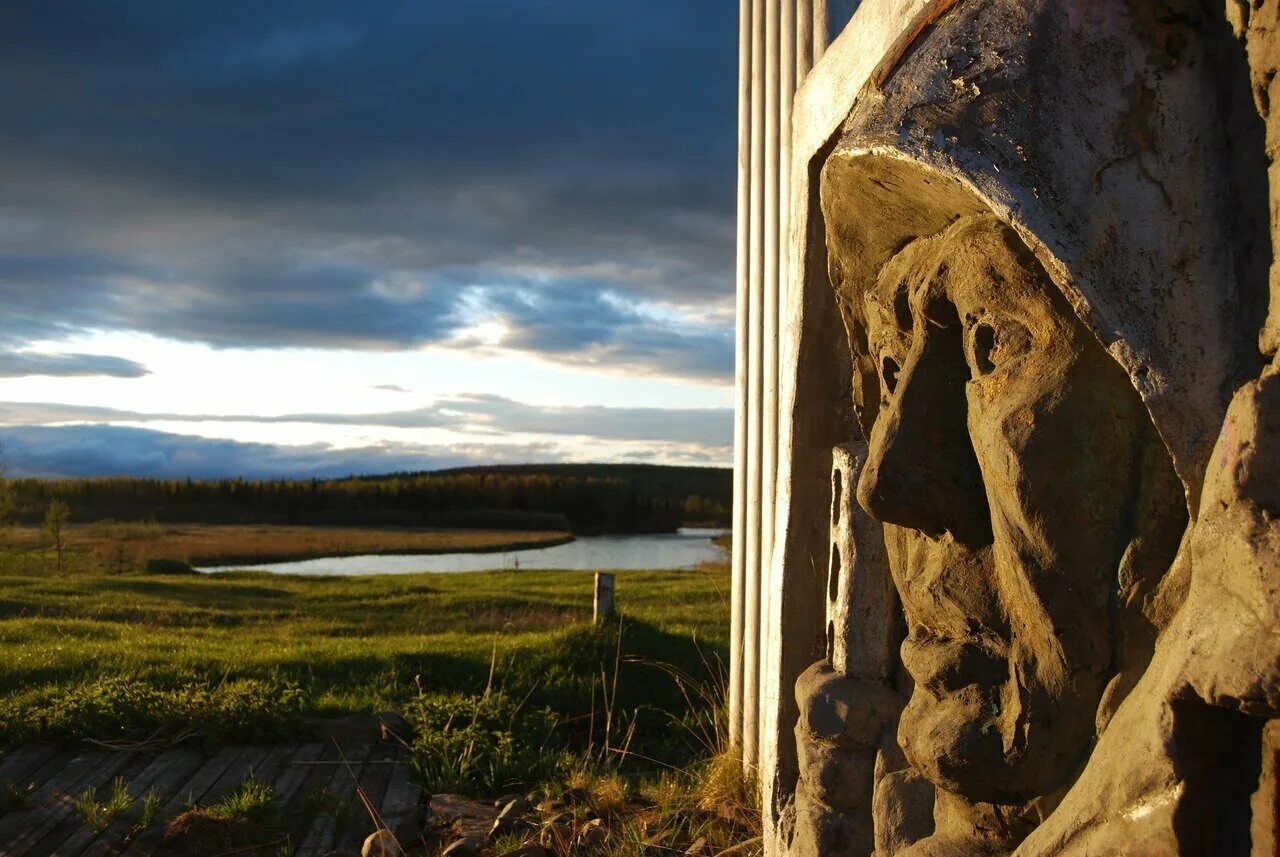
{"x":902,"y":312}
{"x":984,"y":342}
{"x":994,"y":347}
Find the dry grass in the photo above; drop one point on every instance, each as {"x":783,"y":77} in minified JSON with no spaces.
{"x":127,"y":546}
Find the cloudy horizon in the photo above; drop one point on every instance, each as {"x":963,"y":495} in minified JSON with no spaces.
{"x":294,"y":239}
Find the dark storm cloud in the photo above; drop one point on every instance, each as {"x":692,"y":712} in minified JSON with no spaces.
{"x":373,"y":175}
{"x":709,"y":429}
{"x":104,"y":450}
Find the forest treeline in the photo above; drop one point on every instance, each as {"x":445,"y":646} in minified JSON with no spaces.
{"x":583,"y":499}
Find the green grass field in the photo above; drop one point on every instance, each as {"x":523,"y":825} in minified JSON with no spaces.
{"x":244,"y":655}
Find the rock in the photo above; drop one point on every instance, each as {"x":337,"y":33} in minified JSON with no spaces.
{"x":531,"y":850}
{"x":575,"y":796}
{"x":515,"y":808}
{"x":467,"y":846}
{"x":557,"y":833}
{"x":381,"y":843}
{"x":467,"y":817}
{"x":511,"y":818}
{"x":593,"y":834}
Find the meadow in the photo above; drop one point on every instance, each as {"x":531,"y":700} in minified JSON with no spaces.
{"x":241,"y":656}
{"x":504,"y":680}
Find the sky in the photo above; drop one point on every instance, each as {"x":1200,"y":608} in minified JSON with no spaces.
{"x":317,"y":238}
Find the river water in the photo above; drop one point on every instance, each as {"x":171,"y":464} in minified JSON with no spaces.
{"x":683,"y":549}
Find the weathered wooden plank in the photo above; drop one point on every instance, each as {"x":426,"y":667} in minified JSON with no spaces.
{"x":192,"y":790}
{"x":100,"y":768}
{"x":72,"y":828}
{"x":54,"y":776}
{"x":319,"y":838}
{"x":17,"y":766}
{"x":377,"y":773}
{"x":297,"y":777}
{"x":49,"y":768}
{"x":298,"y":812}
{"x":249,"y":759}
{"x":165,"y":773}
{"x":402,"y":802}
{"x":274,"y":765}
{"x":289,"y":783}
{"x":351,"y":831}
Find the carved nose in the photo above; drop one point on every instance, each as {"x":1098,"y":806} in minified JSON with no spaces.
{"x":921,"y":470}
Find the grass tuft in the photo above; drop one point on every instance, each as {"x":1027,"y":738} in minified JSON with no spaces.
{"x":99,"y":815}
{"x":252,"y":800}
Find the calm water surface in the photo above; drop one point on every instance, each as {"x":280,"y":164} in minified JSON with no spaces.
{"x":684,"y":549}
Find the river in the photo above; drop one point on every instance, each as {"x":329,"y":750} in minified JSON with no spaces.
{"x":680,"y":550}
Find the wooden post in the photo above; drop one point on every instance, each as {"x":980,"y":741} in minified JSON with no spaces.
{"x":604,"y":597}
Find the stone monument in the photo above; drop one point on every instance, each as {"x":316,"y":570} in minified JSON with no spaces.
{"x":1029,"y":435}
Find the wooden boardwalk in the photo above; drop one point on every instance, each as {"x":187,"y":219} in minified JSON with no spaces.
{"x":318,"y":810}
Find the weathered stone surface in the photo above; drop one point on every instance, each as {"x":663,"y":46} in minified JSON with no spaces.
{"x":1257,"y":24}
{"x":903,"y":810}
{"x":464,"y":816}
{"x":1047,"y":232}
{"x":593,"y":834}
{"x":557,"y":833}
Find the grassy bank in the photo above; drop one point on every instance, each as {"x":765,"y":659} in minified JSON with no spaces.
{"x":121,"y":547}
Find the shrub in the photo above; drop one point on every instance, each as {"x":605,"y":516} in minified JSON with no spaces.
{"x":125,"y":709}
{"x":482,"y":745}
{"x":160,"y":565}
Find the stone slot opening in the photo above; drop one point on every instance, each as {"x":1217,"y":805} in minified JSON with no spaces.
{"x":1219,"y":758}
{"x":837,"y":497}
{"x":833,"y":578}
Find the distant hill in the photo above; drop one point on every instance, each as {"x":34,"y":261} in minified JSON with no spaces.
{"x":583,"y":498}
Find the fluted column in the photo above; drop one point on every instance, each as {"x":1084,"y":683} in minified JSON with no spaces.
{"x":755,"y":355}
{"x":821,"y":28}
{"x":742,"y":343}
{"x":778,"y":43}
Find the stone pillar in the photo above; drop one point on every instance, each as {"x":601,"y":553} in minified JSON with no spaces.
{"x":821,"y":29}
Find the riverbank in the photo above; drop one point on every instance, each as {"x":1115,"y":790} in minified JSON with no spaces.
{"x":685,"y":549}
{"x":119,"y":547}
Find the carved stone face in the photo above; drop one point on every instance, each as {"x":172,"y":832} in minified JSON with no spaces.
{"x":1028,"y":507}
